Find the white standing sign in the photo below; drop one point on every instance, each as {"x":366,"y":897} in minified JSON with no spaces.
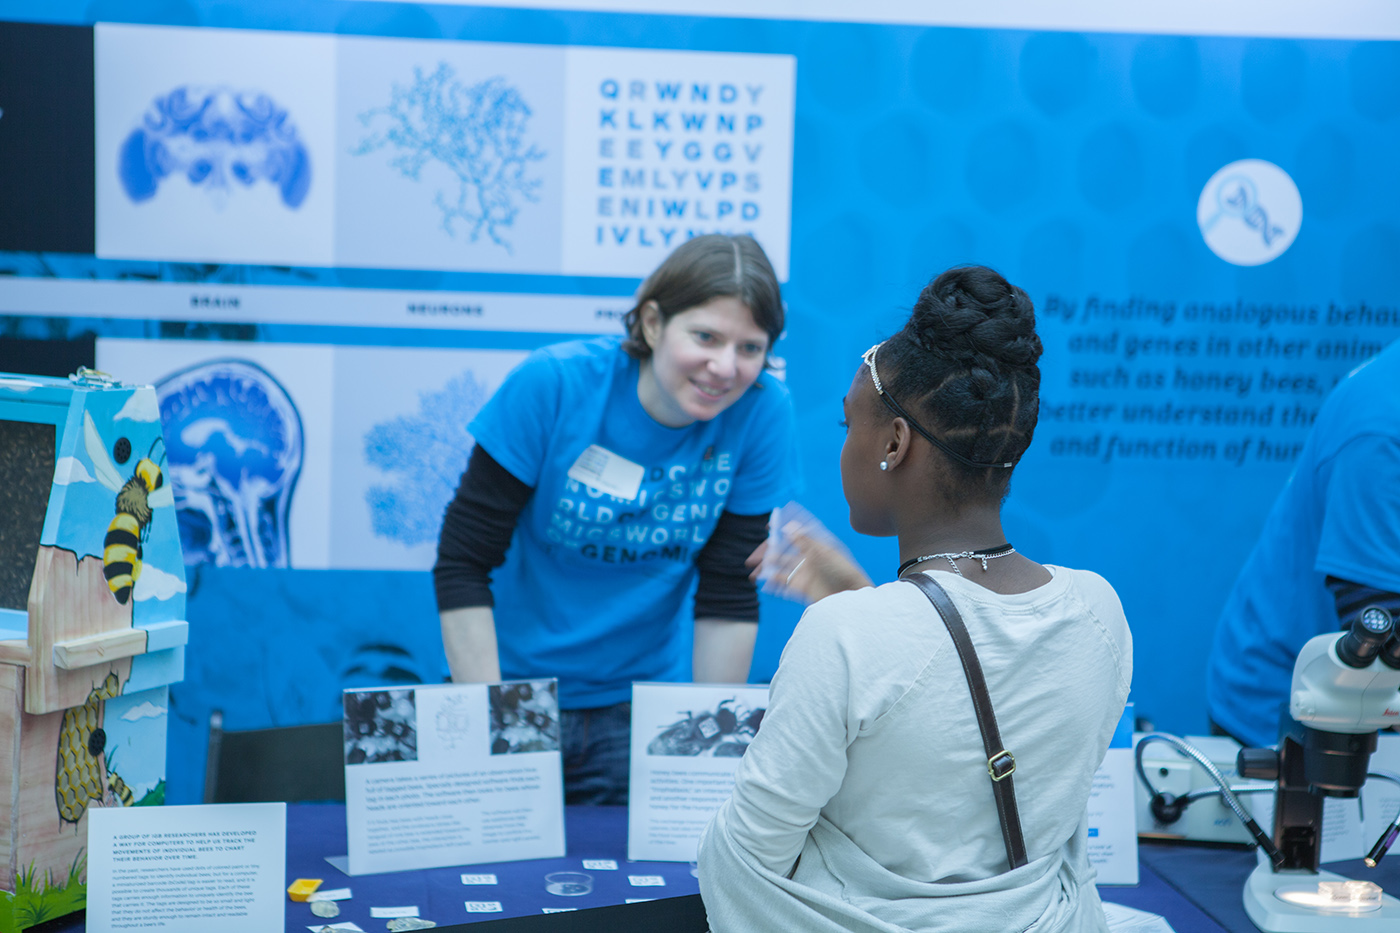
{"x":687,"y":740}
{"x":208,"y":869}
{"x":1113,"y":844}
{"x":452,"y":775}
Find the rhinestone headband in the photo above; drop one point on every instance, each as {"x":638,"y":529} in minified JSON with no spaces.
{"x":898,"y":409}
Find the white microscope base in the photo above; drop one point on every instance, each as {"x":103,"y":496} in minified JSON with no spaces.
{"x":1276,"y":916}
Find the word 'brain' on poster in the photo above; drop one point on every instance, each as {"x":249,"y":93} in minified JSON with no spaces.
{"x":679,"y":144}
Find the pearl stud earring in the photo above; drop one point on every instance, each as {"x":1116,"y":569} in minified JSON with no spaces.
{"x":884,"y":464}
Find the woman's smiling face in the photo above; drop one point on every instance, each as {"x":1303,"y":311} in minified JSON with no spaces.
{"x":703,"y":359}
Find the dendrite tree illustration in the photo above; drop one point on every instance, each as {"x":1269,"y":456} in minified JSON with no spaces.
{"x":477,"y":131}
{"x":424,"y":455}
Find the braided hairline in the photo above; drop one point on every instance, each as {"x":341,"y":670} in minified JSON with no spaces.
{"x":1013,"y":434}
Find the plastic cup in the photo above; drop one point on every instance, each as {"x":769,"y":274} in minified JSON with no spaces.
{"x":568,"y":883}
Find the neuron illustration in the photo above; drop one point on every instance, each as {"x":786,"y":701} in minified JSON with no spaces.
{"x":234,"y":438}
{"x":214,"y":137}
{"x":478,"y":132}
{"x":425,"y":453}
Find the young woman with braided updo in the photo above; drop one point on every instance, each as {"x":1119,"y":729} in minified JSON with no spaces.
{"x":865,"y":802}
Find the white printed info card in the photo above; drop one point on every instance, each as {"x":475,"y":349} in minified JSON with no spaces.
{"x":452,"y":775}
{"x":209,"y":869}
{"x":1112,"y":811}
{"x":687,"y":740}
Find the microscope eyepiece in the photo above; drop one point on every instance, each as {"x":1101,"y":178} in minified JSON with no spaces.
{"x":1390,"y":654}
{"x":1369,"y":632}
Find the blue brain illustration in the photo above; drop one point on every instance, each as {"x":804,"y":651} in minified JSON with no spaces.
{"x":234,"y":441}
{"x":215,"y":137}
{"x":478,"y":132}
{"x":424,"y":453}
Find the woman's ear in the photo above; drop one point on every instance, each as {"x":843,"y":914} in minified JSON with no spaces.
{"x":652,"y":324}
{"x":897,"y":442}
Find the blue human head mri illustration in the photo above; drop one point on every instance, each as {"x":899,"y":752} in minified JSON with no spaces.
{"x":234,"y":440}
{"x":215,"y":137}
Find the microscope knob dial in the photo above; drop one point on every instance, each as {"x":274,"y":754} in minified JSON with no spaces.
{"x":1260,"y":764}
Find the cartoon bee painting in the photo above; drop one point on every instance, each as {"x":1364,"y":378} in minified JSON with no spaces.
{"x":136,"y":498}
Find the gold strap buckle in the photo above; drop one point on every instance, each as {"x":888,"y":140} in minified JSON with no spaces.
{"x":1001,"y":765}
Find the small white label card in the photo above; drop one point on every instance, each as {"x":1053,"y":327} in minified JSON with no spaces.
{"x":600,"y":864}
{"x":389,"y":913}
{"x":483,"y":907}
{"x":218,"y":868}
{"x":478,"y":879}
{"x":607,"y":472}
{"x":1113,"y":842}
{"x":456,"y":774}
{"x":687,"y":740}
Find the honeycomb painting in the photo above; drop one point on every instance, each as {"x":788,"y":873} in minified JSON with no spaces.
{"x":80,"y":779}
{"x":380,"y":726}
{"x":524,"y":717}
{"x":220,"y":139}
{"x":479,"y":131}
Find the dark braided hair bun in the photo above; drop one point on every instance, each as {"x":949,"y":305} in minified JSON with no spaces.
{"x":967,"y":362}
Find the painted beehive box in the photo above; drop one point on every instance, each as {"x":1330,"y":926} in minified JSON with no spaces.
{"x":92,"y":630}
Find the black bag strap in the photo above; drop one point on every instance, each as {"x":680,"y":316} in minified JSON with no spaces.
{"x":1001,"y":764}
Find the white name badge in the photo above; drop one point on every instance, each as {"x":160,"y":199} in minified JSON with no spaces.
{"x":607,"y":472}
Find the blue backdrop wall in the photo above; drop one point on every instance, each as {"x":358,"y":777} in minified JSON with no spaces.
{"x":1207,"y":224}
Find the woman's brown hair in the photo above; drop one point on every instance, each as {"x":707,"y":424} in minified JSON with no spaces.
{"x":701,"y":270}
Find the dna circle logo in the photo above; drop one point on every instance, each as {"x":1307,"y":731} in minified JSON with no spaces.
{"x":1249,"y":212}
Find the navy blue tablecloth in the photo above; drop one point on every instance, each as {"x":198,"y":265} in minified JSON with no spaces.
{"x":317,"y":830}
{"x":314,"y":831}
{"x":1213,"y":878}
{"x":1197,"y":889}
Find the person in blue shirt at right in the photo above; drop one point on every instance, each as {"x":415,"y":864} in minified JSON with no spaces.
{"x":1329,"y":549}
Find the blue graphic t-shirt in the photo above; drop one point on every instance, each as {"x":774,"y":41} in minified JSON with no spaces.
{"x":1339,"y":515}
{"x":594,"y":587}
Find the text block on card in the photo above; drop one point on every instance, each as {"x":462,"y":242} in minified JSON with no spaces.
{"x":456,"y":774}
{"x":1112,"y":815}
{"x":687,"y":740}
{"x":213,"y":869}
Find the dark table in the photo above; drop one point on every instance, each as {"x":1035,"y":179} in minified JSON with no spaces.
{"x":1213,"y":878}
{"x":1198,"y":889}
{"x":314,"y":831}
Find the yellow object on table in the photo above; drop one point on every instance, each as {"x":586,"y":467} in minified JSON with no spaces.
{"x":303,"y":888}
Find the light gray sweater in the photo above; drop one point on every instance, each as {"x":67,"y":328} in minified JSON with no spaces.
{"x":864,"y":801}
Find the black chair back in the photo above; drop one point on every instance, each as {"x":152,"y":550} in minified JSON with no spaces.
{"x":295,"y":764}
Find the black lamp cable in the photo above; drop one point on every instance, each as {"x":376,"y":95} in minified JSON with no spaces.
{"x":1383,"y":844}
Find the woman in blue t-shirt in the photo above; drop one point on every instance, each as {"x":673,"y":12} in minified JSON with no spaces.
{"x":609,"y":476}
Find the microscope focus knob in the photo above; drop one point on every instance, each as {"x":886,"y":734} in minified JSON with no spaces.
{"x":1260,"y":764}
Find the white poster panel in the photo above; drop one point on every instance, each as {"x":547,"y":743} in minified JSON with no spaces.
{"x":215,"y":145}
{"x":687,"y":740}
{"x":1112,"y":814}
{"x":452,"y":775}
{"x":248,"y":437}
{"x":210,"y":869}
{"x":665,"y":145}
{"x":451,"y":155}
{"x":401,"y":444}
